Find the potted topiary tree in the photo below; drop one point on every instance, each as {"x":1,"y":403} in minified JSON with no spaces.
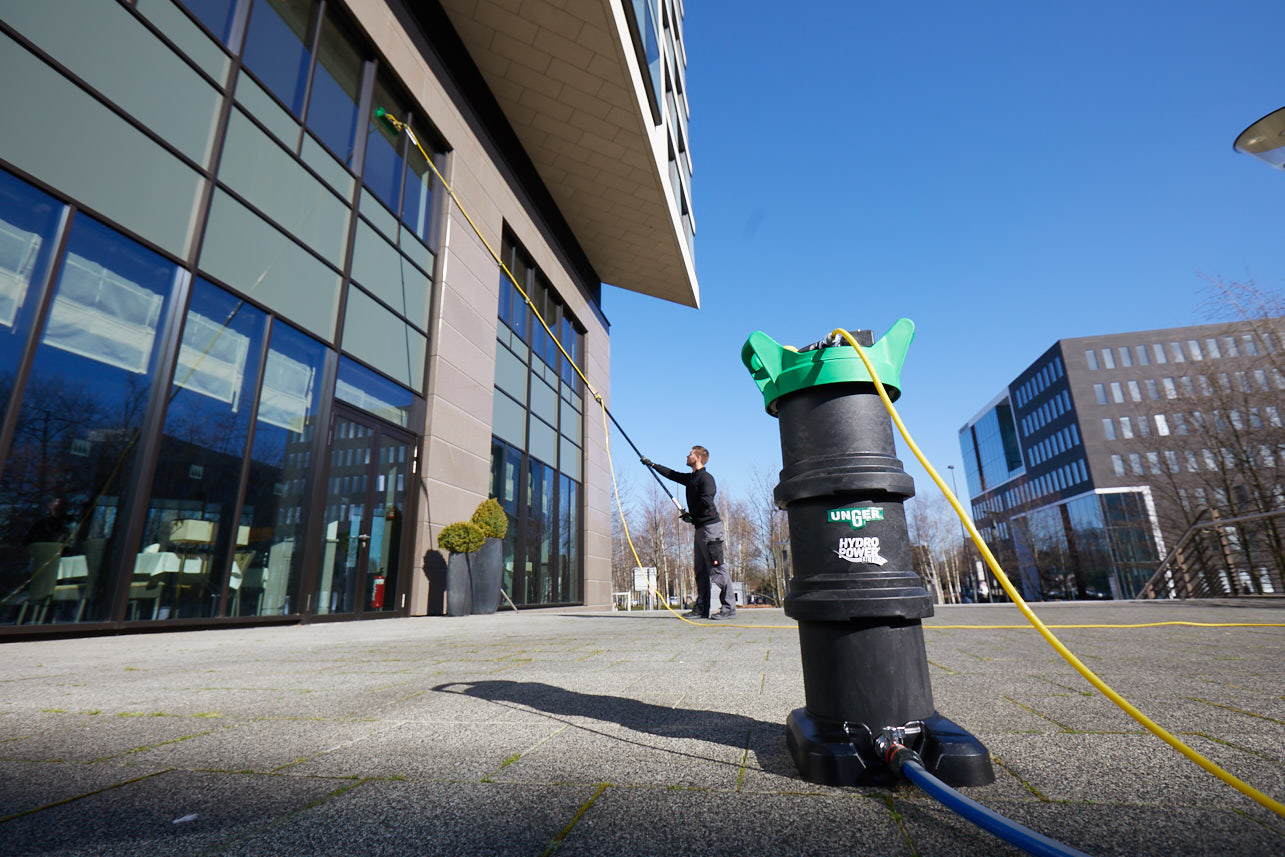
{"x":488,"y":569}
{"x":462,"y":541}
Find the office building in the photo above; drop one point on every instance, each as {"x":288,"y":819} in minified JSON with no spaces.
{"x":254,"y":356}
{"x":1101,"y":454}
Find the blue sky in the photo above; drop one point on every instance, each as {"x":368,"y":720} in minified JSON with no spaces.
{"x":1005,"y":174}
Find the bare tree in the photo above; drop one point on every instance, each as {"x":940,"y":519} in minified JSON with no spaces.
{"x":937,"y":544}
{"x":772,"y":533}
{"x":1225,"y":456}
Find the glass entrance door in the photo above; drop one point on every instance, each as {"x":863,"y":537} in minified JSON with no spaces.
{"x":366,"y":483}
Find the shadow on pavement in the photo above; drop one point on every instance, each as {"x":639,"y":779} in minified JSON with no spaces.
{"x":766,"y":739}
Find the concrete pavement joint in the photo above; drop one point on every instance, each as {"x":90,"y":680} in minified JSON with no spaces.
{"x":1237,"y":710}
{"x":898,"y":820}
{"x":75,"y":798}
{"x":146,"y":747}
{"x":1041,"y":715}
{"x":1026,"y":785}
{"x":1226,"y":743}
{"x":562,"y":835}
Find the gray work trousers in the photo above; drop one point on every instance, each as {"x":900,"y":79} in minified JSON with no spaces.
{"x":711,"y":568}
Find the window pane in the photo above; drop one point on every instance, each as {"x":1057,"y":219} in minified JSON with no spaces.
{"x":1125,"y":359}
{"x":280,"y":465}
{"x":276,"y":48}
{"x":107,"y":45}
{"x":381,"y":339}
{"x":271,"y":180}
{"x":129,"y":178}
{"x":417,"y":208}
{"x":28,"y":219}
{"x":336,"y":86}
{"x":217,"y":15}
{"x":78,"y":427}
{"x":190,"y":524}
{"x":254,"y":257}
{"x":373,"y":393}
{"x":382,"y":172}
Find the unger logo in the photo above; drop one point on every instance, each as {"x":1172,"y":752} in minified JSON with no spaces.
{"x":856,"y":518}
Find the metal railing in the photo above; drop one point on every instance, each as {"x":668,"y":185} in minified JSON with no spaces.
{"x":1210,"y":560}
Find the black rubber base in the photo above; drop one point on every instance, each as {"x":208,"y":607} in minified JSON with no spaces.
{"x":825,"y":752}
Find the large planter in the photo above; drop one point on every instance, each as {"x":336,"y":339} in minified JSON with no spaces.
{"x":459,"y":583}
{"x":488,"y":571}
{"x":473,"y":580}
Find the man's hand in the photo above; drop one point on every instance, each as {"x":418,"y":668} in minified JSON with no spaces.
{"x":686,"y":517}
{"x":647,"y":461}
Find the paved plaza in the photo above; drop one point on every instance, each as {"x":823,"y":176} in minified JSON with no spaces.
{"x":622,"y":734}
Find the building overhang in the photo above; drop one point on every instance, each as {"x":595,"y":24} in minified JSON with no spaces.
{"x":567,"y":78}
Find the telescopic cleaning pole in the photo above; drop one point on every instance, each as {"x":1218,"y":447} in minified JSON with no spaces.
{"x":397,"y":126}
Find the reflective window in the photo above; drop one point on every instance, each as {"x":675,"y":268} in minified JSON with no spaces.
{"x":1108,"y":358}
{"x":1100,"y":391}
{"x":1211,"y":345}
{"x":278,"y":48}
{"x":385,"y":147}
{"x":1117,"y":394}
{"x":1143,"y":359}
{"x":28,"y":220}
{"x":543,"y":418}
{"x":1108,"y":429}
{"x":1091,"y":357}
{"x":1125,"y":359}
{"x":373,"y":393}
{"x":1159,"y":351}
{"x":181,"y":569}
{"x":1135,"y":392}
{"x":1251,"y":347}
{"x":394,"y":170}
{"x":1229,"y":343}
{"x":128,"y":178}
{"x":78,"y":426}
{"x":1194,"y":348}
{"x":1175,"y":351}
{"x":336,"y":88}
{"x":218,"y":16}
{"x":280,"y":474}
{"x":1126,"y":428}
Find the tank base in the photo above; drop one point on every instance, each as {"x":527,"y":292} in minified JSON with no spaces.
{"x":833,"y":753}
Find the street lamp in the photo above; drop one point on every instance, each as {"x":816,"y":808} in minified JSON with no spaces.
{"x":1265,"y":139}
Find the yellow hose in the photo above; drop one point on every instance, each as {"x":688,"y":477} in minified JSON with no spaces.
{"x":1151,"y":726}
{"x":1274,"y":806}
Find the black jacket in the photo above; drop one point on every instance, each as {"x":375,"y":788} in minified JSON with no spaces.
{"x":700,"y":493}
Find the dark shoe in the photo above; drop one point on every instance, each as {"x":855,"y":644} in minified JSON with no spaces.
{"x":692,"y":614}
{"x":723,"y":614}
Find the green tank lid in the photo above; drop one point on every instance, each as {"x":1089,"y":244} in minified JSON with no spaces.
{"x":779,"y":369}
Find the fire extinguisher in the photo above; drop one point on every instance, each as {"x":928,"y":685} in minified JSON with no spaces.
{"x":377,"y":592}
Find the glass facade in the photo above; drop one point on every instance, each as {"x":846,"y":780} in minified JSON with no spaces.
{"x":536,"y":455}
{"x":169,"y":427}
{"x":991,"y":452}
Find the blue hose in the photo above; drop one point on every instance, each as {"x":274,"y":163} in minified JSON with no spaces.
{"x":1010,"y":831}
